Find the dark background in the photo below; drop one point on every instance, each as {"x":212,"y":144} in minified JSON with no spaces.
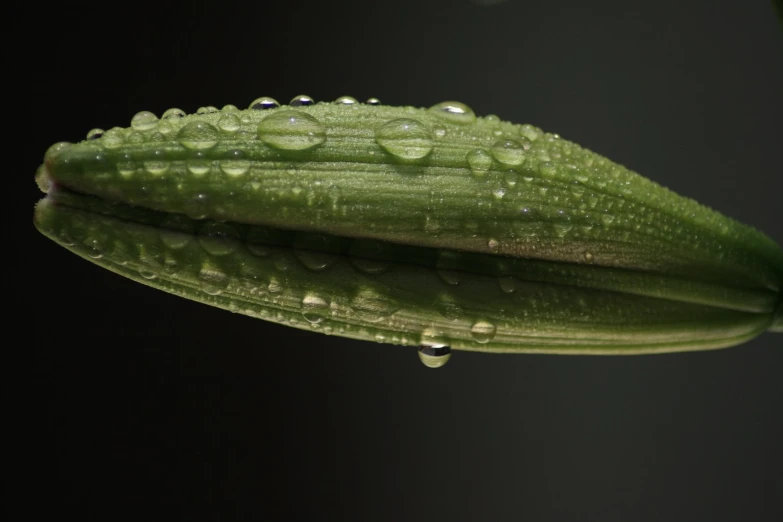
{"x":131,"y":404}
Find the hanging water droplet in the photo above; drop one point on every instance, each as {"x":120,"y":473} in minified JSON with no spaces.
{"x":173,"y":114}
{"x":218,"y":239}
{"x":314,"y":308}
{"x":346,"y":100}
{"x":510,"y":152}
{"x":264,"y":103}
{"x":291,"y":130}
{"x":157,"y":164}
{"x":373,"y":101}
{"x":404,"y":138}
{"x":434,"y":356}
{"x":198,"y":135}
{"x":301,"y":100}
{"x":176,"y":231}
{"x":454,"y":112}
{"x":147,"y":274}
{"x":483,"y":331}
{"x":144,"y":121}
{"x":479,"y":161}
{"x":94,"y":134}
{"x":229,"y":123}
{"x":235,"y":164}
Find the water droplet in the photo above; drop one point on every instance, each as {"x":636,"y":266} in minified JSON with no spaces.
{"x":454,"y":112}
{"x":480,"y":161}
{"x":499,"y":192}
{"x":301,"y":100}
{"x":144,"y":121}
{"x":371,"y":306}
{"x":607,"y":218}
{"x":404,"y":138}
{"x":529,"y":132}
{"x":214,"y":280}
{"x":314,"y":308}
{"x":209,"y":109}
{"x":547,"y":168}
{"x":94,"y":134}
{"x":147,"y":274}
{"x":434,"y":356}
{"x":589,"y":257}
{"x":562,"y":229}
{"x":291,"y":130}
{"x":483,"y":331}
{"x":229,"y":123}
{"x":198,"y":206}
{"x":373,"y":101}
{"x":55,"y":149}
{"x":173,"y":114}
{"x":507,"y":284}
{"x":264,"y":103}
{"x":198,"y":135}
{"x":218,"y":239}
{"x":346,"y":100}
{"x":493,"y":244}
{"x":113,"y":138}
{"x":439,"y":132}
{"x":235,"y":164}
{"x":510,"y":152}
{"x":229,"y":108}
{"x":176,"y":231}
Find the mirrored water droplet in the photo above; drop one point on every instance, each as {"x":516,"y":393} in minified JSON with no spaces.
{"x":454,"y":112}
{"x":235,"y":164}
{"x":509,"y":152}
{"x":229,"y":123}
{"x":483,"y":331}
{"x":404,"y":138}
{"x":198,"y":135}
{"x":264,"y":103}
{"x":346,"y":100}
{"x":173,"y":114}
{"x":218,"y":239}
{"x":373,"y":101}
{"x":291,"y":130}
{"x":144,"y":121}
{"x":301,"y":101}
{"x":314,"y":308}
{"x":209,"y":109}
{"x":479,"y":161}
{"x":94,"y":134}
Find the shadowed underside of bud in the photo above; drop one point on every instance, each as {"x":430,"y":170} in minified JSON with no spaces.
{"x":414,"y":226}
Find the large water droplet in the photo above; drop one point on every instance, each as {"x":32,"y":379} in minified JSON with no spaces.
{"x":113,"y":138}
{"x":144,"y":121}
{"x":480,"y":161}
{"x":198,"y":135}
{"x":454,"y":112}
{"x":404,"y":138}
{"x":264,"y":103}
{"x":483,"y":331}
{"x":510,"y":152}
{"x":218,"y":239}
{"x":291,"y":130}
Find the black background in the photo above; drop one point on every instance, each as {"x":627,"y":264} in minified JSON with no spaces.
{"x":131,"y":404}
